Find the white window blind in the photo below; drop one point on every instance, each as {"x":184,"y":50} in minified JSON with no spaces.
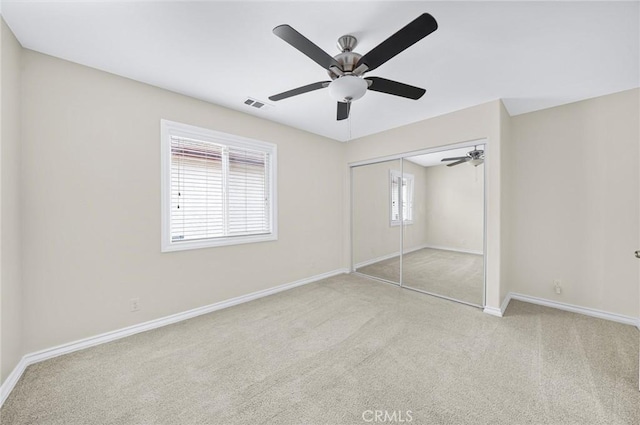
{"x":248,"y":197}
{"x":220,"y":193}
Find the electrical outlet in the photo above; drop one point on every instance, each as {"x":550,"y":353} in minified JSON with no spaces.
{"x":135,"y":304}
{"x":557,"y":284}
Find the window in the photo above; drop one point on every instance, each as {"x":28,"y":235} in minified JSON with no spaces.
{"x":217,"y":189}
{"x":405,"y":196}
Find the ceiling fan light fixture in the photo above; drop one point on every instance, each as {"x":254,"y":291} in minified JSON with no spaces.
{"x":475,"y":162}
{"x":348,"y":88}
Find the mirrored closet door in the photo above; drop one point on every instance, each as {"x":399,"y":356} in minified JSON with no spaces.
{"x":443,"y":242}
{"x":419,"y":222}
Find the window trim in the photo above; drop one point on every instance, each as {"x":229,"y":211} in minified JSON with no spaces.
{"x":394,"y":174}
{"x":171,"y":128}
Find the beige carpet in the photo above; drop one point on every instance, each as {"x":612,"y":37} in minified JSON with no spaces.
{"x":453,"y":274}
{"x":326,"y":352}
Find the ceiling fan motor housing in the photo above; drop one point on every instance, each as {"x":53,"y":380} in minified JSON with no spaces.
{"x":347,"y":61}
{"x":347,"y":58}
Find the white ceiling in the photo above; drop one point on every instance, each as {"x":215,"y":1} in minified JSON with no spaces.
{"x":533,"y":55}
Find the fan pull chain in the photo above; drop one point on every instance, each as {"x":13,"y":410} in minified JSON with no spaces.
{"x":350,"y":113}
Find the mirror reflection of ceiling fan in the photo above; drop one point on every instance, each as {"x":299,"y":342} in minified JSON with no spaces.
{"x":474,"y":157}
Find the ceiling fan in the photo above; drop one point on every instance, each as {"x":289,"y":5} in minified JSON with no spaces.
{"x":347,"y":68}
{"x":474,"y":157}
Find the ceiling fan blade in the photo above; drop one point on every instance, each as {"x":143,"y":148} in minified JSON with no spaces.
{"x":300,"y":42}
{"x":343,"y":110}
{"x":413,"y":32}
{"x":300,"y":90}
{"x":395,"y":88}
{"x":457,"y":158}
{"x":462,"y":161}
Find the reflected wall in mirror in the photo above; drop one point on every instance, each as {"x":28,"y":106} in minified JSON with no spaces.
{"x":443,"y":244}
{"x":376,"y":219}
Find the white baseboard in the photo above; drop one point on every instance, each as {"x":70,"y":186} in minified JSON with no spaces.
{"x":375,"y":260}
{"x":493,"y":311}
{"x":388,"y":256}
{"x":38,"y":356}
{"x":614,"y":317}
{"x":407,"y":251}
{"x":446,"y":248}
{"x":12,"y":380}
{"x":499,"y":312}
{"x":618,"y":318}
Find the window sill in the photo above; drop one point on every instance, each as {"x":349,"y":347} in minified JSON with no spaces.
{"x":212,"y":243}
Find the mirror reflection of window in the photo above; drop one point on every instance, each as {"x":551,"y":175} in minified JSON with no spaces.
{"x":406,"y":195}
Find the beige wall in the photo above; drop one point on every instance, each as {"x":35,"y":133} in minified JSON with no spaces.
{"x":454,"y":201}
{"x":91,"y":168}
{"x":479,"y":122}
{"x":10,"y":265}
{"x":575,"y":206}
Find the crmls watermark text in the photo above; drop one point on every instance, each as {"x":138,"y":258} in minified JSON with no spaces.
{"x":386,"y":416}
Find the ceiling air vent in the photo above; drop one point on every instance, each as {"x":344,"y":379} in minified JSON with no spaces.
{"x":257,"y":104}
